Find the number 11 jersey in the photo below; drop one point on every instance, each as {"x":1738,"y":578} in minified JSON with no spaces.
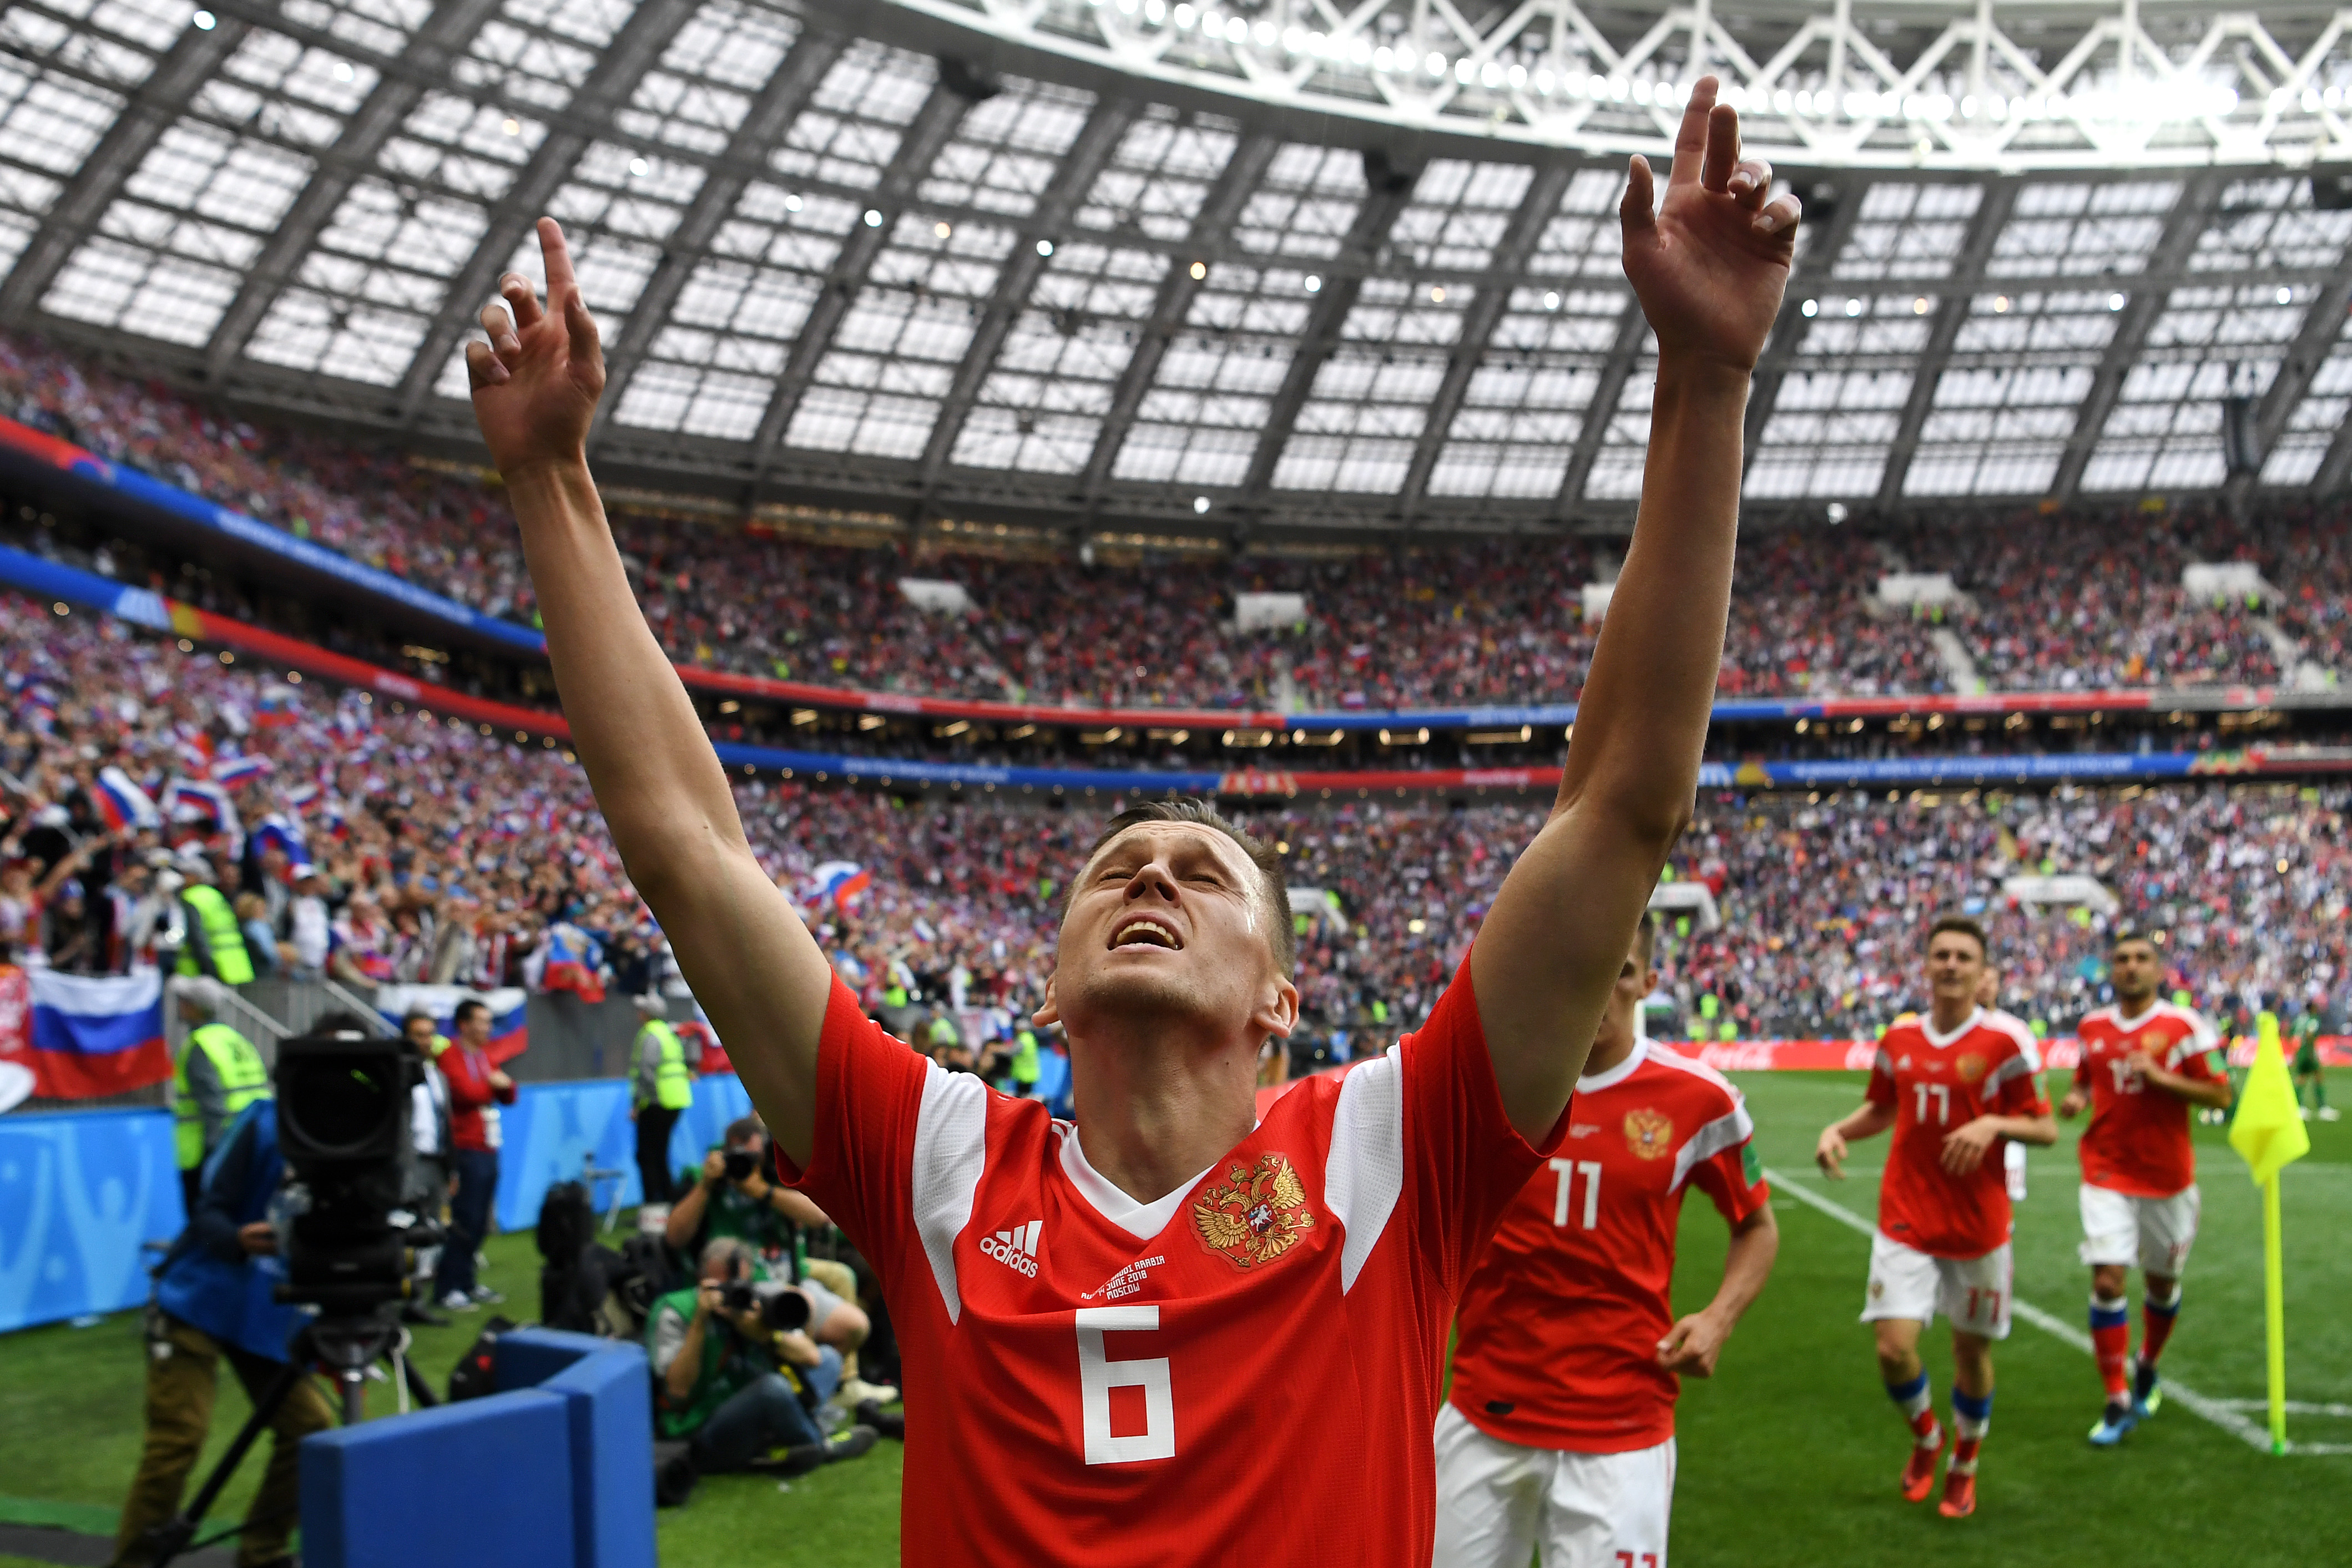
{"x":1244,"y":1372}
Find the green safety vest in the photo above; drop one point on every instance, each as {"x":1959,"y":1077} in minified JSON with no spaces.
{"x":895,"y":997}
{"x":1024,"y":1059}
{"x":673,"y":1085}
{"x":241,"y":1072}
{"x":222,"y":938}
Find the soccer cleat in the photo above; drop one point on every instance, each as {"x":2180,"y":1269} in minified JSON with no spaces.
{"x":870,"y":1414}
{"x":858,"y":1440}
{"x":1959,"y":1495}
{"x":2117,"y":1420}
{"x":2330,"y":1113}
{"x":1919,"y":1474}
{"x":2148,"y":1389}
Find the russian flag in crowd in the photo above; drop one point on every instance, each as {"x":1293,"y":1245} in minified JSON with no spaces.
{"x":194,"y":800}
{"x":509,"y":1029}
{"x":839,"y":882}
{"x":85,"y":1035}
{"x":122,"y":803}
{"x":575,"y":962}
{"x":278,"y":832}
{"x":241,"y":769}
{"x":275,"y":710}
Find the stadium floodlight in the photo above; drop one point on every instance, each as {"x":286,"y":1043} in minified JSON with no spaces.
{"x":1045,"y":248}
{"x":1810,"y":308}
{"x":1312,"y":283}
{"x":1199,"y":504}
{"x":203,"y":21}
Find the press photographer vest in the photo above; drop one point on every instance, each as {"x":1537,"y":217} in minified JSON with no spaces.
{"x":243,"y":1077}
{"x":673,"y":1084}
{"x":222,"y":938}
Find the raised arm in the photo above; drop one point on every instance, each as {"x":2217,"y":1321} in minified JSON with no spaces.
{"x":752,"y":965}
{"x":1709,"y":269}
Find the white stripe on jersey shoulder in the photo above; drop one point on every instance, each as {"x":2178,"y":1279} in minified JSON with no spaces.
{"x":2028,"y":1049}
{"x":1142,"y":1221}
{"x":1364,"y":1175}
{"x":1668,"y":1057}
{"x":1728,"y":1131}
{"x":2202,"y":1035}
{"x":951,"y":1152}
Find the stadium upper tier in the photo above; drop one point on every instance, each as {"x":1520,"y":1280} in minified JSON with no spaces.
{"x":2026,"y":601}
{"x":452,"y":854}
{"x":1191,"y":269}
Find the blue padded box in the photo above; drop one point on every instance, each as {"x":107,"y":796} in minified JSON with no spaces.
{"x":608,"y":1396}
{"x":485,"y":1484}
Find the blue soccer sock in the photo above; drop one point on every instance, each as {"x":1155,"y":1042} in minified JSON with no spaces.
{"x":1971,"y":1416}
{"x":1916,"y":1400}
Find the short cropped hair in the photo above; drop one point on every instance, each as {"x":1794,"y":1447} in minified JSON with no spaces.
{"x":730,"y":1247}
{"x":468,"y":1008}
{"x":2152,"y":938}
{"x":1646,"y":937}
{"x":1966,"y":926}
{"x":1272,"y":885}
{"x":742,"y":1130}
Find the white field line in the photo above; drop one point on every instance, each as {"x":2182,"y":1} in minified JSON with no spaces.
{"x":2226,"y":1413}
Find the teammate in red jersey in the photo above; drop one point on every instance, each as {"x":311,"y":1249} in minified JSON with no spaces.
{"x":1559,"y":1433}
{"x":1952,"y":1085}
{"x":2145,"y":1062}
{"x":1151,"y":1322}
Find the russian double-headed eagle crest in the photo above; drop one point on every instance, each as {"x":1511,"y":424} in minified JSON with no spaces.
{"x":1254,"y":1215}
{"x":1650,"y":1133}
{"x":1969,"y":1068}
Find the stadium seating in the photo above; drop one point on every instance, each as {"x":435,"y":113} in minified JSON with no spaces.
{"x":2043,"y":603}
{"x":454,"y":856}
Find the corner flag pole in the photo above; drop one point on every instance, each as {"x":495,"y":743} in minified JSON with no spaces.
{"x":2268,"y":1134}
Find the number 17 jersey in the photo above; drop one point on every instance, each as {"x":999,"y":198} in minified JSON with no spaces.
{"x":1244,"y":1372}
{"x":1936,"y":1084}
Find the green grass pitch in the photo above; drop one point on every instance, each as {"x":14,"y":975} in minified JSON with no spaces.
{"x":1788,"y":1457}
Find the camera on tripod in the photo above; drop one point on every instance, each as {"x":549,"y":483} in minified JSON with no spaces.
{"x":343,"y":1099}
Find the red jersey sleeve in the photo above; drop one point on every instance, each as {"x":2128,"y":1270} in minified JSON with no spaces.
{"x":1463,"y":1160}
{"x":1881,"y":1089}
{"x":870,"y":1094}
{"x":2191,"y":1055}
{"x":2016,"y":1090}
{"x":1733,"y":1177}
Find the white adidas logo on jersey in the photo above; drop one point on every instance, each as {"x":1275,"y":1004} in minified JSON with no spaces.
{"x":1015,"y":1249}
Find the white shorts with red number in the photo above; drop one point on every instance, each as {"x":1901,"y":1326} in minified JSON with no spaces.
{"x":2156,"y":1233}
{"x":1500,"y":1503}
{"x":1908,"y":1283}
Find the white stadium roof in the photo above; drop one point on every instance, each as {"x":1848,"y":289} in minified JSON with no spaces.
{"x":1274,"y":266}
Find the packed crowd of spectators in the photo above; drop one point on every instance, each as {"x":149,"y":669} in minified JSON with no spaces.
{"x":378,"y":847}
{"x":2072,"y":601}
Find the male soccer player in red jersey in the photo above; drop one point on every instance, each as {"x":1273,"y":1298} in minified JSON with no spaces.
{"x":1952,"y":1085}
{"x":1132,"y":1340}
{"x":2145,"y":1062}
{"x":1560,"y":1435}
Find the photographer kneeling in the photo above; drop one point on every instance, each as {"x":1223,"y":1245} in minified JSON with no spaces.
{"x":736,"y":1199}
{"x":733,"y":1359}
{"x":214,"y":1298}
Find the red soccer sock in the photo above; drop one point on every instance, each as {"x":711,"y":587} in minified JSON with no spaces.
{"x":2156,"y":1318}
{"x":2111,"y":1344}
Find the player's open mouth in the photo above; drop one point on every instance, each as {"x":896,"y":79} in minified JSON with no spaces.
{"x":1143,"y":931}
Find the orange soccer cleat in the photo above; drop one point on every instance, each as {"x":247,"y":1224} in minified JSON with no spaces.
{"x":1919,"y":1474}
{"x":1959,"y":1494}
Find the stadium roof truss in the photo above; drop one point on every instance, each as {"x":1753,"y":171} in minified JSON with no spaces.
{"x":1249,"y":263}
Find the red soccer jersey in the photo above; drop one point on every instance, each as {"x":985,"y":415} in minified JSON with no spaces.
{"x":1556,"y":1338}
{"x":2138,"y":1142}
{"x":1092,"y":1380}
{"x":1936,"y":1084}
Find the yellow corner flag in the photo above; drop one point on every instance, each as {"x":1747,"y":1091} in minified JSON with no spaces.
{"x":2268,"y":1131}
{"x":2268,"y":1134}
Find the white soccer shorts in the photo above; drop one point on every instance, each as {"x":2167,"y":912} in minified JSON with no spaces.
{"x":2153,"y":1232}
{"x":1500,"y":1503}
{"x":1974,"y":1292}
